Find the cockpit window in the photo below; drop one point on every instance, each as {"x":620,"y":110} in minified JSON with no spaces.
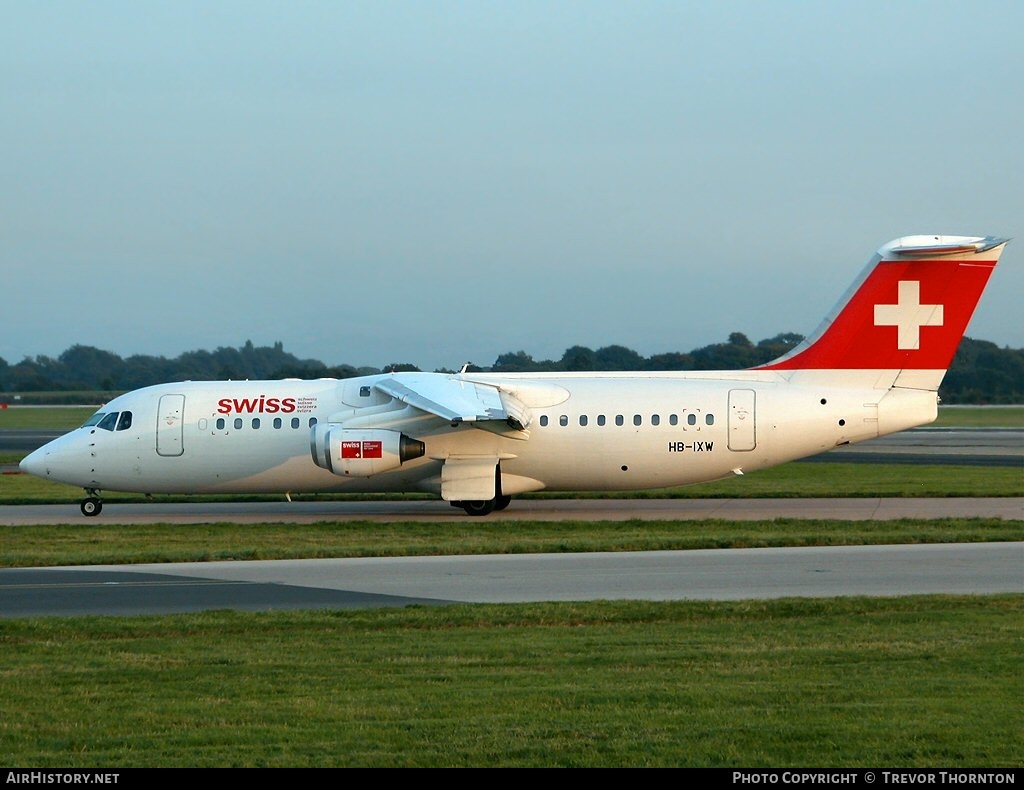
{"x":108,"y":422}
{"x":125,"y":422}
{"x":94,"y":419}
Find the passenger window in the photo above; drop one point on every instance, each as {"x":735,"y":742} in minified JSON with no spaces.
{"x":255,"y":422}
{"x":563,"y":420}
{"x":637,"y":419}
{"x":543,"y":421}
{"x":673,"y":419}
{"x":220,"y":423}
{"x":691,"y":419}
{"x":109,"y":422}
{"x":238,"y":423}
{"x":583,"y":419}
{"x":364,"y":392}
{"x":655,"y":419}
{"x":600,"y":419}
{"x":312,"y":421}
{"x":618,"y":419}
{"x":277,"y":422}
{"x":125,"y":422}
{"x":295,"y":422}
{"x":710,"y":419}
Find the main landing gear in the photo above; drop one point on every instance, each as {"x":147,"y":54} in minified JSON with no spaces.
{"x":92,"y":505}
{"x":482,"y":507}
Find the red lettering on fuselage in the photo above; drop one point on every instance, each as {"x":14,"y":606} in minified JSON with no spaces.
{"x":260,"y":405}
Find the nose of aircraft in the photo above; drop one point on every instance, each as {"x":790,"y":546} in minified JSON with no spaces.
{"x":34,"y":463}
{"x":64,"y":460}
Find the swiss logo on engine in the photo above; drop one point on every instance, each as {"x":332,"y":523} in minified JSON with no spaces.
{"x":368,"y":449}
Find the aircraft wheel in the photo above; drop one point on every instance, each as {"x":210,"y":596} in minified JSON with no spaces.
{"x":91,"y":506}
{"x":478,"y":507}
{"x":502,"y":502}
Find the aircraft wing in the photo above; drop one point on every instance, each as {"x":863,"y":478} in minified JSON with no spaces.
{"x":458,"y":400}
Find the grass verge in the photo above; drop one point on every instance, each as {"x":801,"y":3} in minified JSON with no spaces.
{"x":94,"y":543}
{"x":906,"y":682}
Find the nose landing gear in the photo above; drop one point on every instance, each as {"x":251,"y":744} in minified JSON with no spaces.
{"x":92,"y":505}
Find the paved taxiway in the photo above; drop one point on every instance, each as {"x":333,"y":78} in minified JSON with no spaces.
{"x":961,"y":446}
{"x":722,"y":574}
{"x":357,"y":583}
{"x":845,"y":509}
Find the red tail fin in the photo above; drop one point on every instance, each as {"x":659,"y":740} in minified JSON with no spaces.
{"x":907,"y":311}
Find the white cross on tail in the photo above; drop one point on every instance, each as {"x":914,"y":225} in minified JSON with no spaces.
{"x":908,"y":315}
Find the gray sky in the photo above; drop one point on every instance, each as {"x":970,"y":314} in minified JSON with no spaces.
{"x":437,"y":182}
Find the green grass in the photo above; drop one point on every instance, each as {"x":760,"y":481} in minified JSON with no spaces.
{"x":980,"y":417}
{"x":94,"y":542}
{"x":906,"y":682}
{"x":825,"y":479}
{"x":55,"y":418}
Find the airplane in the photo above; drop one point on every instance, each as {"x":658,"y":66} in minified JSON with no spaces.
{"x":477,"y":439}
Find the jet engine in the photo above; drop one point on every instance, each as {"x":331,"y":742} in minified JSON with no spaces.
{"x":361,"y":453}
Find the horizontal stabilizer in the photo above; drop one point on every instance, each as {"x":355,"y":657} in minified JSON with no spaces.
{"x":925,"y":246}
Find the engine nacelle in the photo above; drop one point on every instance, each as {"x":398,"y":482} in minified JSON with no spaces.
{"x":361,"y":453}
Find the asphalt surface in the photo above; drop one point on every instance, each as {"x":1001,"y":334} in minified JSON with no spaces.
{"x":964,"y":446}
{"x":725,"y":574}
{"x":852,"y":508}
{"x":25,"y":439}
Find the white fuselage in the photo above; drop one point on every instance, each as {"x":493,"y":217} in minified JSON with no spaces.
{"x":587,"y":432}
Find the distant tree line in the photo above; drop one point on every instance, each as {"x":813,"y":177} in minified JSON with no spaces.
{"x":981,"y":373}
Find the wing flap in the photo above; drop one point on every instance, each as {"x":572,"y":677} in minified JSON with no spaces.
{"x":457,"y":400}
